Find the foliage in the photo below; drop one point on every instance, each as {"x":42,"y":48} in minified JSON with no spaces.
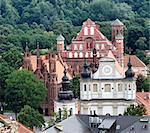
{"x":5,"y":70}
{"x":135,"y":110}
{"x":30,"y":117}
{"x":33,"y":21}
{"x":142,"y":83}
{"x":13,"y":57}
{"x":75,"y":86}
{"x":23,"y":88}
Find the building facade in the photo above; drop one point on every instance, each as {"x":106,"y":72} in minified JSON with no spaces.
{"x":91,"y":37}
{"x":49,"y":69}
{"x":107,"y":91}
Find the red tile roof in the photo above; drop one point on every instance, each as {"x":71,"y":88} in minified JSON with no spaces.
{"x":21,"y":129}
{"x":144,"y":98}
{"x":136,"y":62}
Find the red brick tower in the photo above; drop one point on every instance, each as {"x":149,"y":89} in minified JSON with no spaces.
{"x":117,"y":40}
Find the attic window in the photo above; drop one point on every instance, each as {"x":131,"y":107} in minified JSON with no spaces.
{"x":85,"y":30}
{"x":92,"y":31}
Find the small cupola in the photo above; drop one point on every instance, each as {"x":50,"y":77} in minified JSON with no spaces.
{"x":65,"y":93}
{"x":129,"y":73}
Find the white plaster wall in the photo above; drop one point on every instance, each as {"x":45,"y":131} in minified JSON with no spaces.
{"x":107,"y":109}
{"x":68,"y":106}
{"x":102,"y":108}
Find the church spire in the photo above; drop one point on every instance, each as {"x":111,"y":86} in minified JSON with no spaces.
{"x":129,"y":73}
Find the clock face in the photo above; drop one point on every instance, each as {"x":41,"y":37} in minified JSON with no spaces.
{"x":107,"y":70}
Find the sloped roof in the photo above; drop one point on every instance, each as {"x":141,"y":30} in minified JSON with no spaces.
{"x":59,"y":66}
{"x":21,"y":129}
{"x":60,"y":37}
{"x":117,"y":22}
{"x":70,"y":125}
{"x":144,"y":98}
{"x":136,"y":62}
{"x":80,"y":124}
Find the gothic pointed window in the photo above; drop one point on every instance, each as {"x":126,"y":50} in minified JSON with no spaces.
{"x":85,"y":31}
{"x":70,"y":54}
{"x":75,"y":55}
{"x":92,"y":31}
{"x":81,"y":55}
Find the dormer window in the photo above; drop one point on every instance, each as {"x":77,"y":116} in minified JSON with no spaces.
{"x":85,"y":31}
{"x":92,"y":31}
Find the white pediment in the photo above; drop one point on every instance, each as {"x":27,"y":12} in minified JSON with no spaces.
{"x":107,"y":69}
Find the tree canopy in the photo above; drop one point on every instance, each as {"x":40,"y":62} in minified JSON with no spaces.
{"x":135,"y":110}
{"x":30,"y":117}
{"x":23,"y":88}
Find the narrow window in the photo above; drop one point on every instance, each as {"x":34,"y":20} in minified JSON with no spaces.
{"x":84,"y":87}
{"x":107,"y":88}
{"x":94,"y":87}
{"x":92,"y":31}
{"x":85,"y":30}
{"x":119,"y":87}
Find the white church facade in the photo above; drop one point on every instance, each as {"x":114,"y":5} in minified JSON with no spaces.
{"x":108,"y":90}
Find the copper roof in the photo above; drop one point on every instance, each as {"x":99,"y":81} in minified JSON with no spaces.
{"x":136,"y":62}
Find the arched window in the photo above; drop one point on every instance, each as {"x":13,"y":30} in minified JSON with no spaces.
{"x":85,"y":30}
{"x":81,"y":55}
{"x":70,"y":112}
{"x":75,"y":47}
{"x":59,"y":112}
{"x":92,"y":31}
{"x":75,"y":55}
{"x":98,"y":54}
{"x":86,"y":54}
{"x":70,"y":54}
{"x":81,"y":47}
{"x":85,"y":87}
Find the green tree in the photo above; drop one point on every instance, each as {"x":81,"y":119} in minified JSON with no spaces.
{"x":140,"y":83}
{"x":30,"y":117}
{"x":75,"y":86}
{"x":23,"y":88}
{"x":5,"y":70}
{"x":135,"y":110}
{"x":13,"y":57}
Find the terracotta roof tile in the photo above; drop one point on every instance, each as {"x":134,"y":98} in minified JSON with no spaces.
{"x":22,"y":128}
{"x":136,"y":62}
{"x":144,"y":98}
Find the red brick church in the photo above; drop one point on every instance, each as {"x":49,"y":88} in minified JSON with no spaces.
{"x":89,"y":44}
